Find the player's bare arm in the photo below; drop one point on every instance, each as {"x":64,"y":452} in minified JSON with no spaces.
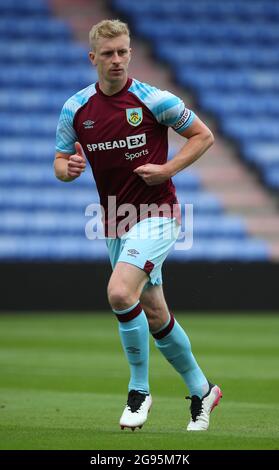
{"x":200,"y":138}
{"x":68,"y":167}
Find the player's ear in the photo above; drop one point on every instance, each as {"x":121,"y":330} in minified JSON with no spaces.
{"x":92,"y":57}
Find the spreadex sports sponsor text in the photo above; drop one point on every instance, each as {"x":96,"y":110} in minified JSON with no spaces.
{"x":130,"y":142}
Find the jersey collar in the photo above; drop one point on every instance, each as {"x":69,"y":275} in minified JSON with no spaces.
{"x":122,"y":91}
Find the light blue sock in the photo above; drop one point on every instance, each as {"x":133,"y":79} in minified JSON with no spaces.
{"x":134,"y":334}
{"x":176,"y":348}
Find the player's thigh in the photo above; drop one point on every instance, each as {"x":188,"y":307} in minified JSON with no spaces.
{"x":127,"y":280}
{"x":154,"y":305}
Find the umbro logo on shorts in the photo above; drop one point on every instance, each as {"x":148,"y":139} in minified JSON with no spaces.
{"x":133,"y":252}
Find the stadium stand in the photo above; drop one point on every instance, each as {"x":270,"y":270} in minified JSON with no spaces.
{"x":43,"y":219}
{"x":227,"y":52}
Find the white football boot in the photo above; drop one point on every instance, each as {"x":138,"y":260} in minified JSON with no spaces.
{"x":201,"y":408}
{"x":136,"y":411}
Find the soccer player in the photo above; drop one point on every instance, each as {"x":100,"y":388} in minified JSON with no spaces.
{"x":120,"y":126}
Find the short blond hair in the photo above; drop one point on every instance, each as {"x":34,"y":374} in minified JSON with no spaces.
{"x":107,"y":29}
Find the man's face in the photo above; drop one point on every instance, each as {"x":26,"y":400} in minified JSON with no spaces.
{"x":112,"y":57}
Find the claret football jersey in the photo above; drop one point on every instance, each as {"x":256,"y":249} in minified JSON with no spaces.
{"x":119,"y":133}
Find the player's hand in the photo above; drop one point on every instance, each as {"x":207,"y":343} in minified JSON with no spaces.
{"x":152,"y":174}
{"x":77,"y":162}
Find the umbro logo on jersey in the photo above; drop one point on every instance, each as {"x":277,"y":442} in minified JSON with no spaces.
{"x":88,"y":124}
{"x":134,"y":116}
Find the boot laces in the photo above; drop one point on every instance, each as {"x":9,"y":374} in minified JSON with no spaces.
{"x":195,"y":407}
{"x":135,"y":400}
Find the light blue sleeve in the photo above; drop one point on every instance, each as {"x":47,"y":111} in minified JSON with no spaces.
{"x":171,"y":111}
{"x":167,"y":108}
{"x":185,"y":119}
{"x":65,"y":133}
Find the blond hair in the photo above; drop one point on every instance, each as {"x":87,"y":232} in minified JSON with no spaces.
{"x":107,"y":29}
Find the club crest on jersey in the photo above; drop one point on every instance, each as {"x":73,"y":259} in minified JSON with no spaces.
{"x":134,"y":116}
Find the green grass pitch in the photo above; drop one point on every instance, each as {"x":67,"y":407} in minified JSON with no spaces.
{"x":63,"y":384}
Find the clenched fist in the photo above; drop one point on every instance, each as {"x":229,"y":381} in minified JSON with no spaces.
{"x":152,"y":174}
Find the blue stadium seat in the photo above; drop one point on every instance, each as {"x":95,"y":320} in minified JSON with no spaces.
{"x":49,"y":198}
{"x":42,"y":248}
{"x":212,"y":226}
{"x":232,"y":81}
{"x":206,"y":31}
{"x":16,"y":222}
{"x":271,"y":177}
{"x":210,"y":10}
{"x":243,"y":128}
{"x":37,"y":174}
{"x":202,"y":201}
{"x":24,"y":7}
{"x":226,"y":249}
{"x":20,"y":76}
{"x":34,"y":28}
{"x":266,"y":154}
{"x":42,"y":52}
{"x":188,"y":179}
{"x":239,"y":103}
{"x":225,"y":55}
{"x":30,"y":125}
{"x":33,"y":100}
{"x":20,"y":150}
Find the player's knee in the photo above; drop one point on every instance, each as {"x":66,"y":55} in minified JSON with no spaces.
{"x":119,"y":297}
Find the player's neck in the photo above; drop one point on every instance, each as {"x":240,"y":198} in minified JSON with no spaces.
{"x":111,"y":88}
